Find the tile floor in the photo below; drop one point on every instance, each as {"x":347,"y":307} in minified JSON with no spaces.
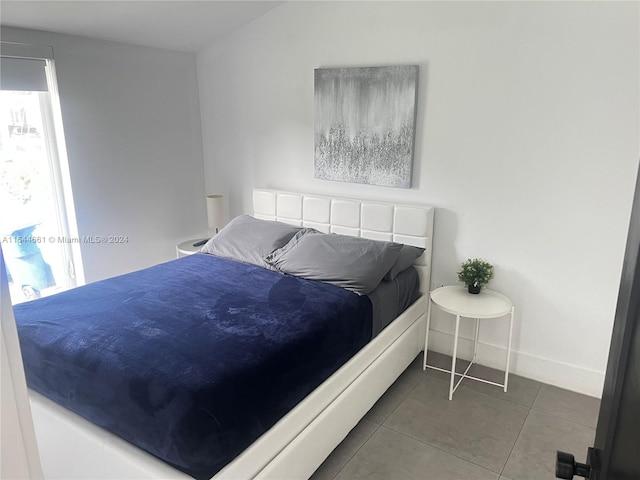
{"x":415,"y":432}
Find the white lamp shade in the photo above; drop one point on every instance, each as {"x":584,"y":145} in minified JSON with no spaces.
{"x":215,"y":211}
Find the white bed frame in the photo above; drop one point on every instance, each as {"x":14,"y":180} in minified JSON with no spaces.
{"x":73,"y":448}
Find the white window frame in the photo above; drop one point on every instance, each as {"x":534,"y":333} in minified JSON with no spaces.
{"x":57,"y":157}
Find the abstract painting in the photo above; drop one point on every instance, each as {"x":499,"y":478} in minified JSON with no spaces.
{"x":365,"y":124}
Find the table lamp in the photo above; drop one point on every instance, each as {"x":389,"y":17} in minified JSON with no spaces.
{"x":215,"y":215}
{"x":215,"y":212}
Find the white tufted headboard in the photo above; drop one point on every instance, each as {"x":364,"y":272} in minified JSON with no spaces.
{"x":408,"y":224}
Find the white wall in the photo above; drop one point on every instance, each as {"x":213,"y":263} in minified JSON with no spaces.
{"x":132,"y":125}
{"x":527,"y":142}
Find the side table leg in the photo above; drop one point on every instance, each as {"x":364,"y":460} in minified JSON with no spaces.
{"x":506,"y":370}
{"x":426,"y":335}
{"x":475,"y":341}
{"x":453,"y":360}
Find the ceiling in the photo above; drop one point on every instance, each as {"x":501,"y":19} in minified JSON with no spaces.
{"x":183,"y":25}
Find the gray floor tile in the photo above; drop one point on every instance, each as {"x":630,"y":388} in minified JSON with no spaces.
{"x":534,"y":454}
{"x":343,"y":452}
{"x":394,"y":395}
{"x":416,"y":365}
{"x":568,"y":405}
{"x":444,"y":361}
{"x":426,"y":436}
{"x":474,"y":426}
{"x":520,"y":390}
{"x":390,"y":455}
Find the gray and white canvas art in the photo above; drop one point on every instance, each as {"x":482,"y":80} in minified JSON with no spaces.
{"x":365,"y":124}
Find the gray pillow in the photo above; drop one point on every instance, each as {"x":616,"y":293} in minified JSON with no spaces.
{"x":408,"y":255}
{"x":357,"y":264}
{"x":250,"y":240}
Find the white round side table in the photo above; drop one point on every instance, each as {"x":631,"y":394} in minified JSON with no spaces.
{"x":459,"y":302}
{"x":187,"y":248}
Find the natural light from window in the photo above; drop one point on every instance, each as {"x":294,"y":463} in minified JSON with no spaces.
{"x":35,"y":229}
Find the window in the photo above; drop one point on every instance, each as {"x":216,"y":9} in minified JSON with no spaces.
{"x":38,"y":233}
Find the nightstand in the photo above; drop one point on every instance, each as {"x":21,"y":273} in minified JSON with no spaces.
{"x":186,"y":248}
{"x":459,"y":302}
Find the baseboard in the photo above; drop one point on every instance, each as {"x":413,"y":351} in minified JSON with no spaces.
{"x":560,"y":374}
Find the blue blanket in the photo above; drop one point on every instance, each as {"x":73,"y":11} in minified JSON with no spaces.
{"x":191,"y":360}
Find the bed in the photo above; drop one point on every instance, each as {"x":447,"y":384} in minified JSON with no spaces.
{"x":296,"y":443}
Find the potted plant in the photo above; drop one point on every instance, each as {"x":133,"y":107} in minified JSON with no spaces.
{"x":475,"y":273}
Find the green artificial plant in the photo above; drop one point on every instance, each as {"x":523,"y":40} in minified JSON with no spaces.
{"x":475,"y":272}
